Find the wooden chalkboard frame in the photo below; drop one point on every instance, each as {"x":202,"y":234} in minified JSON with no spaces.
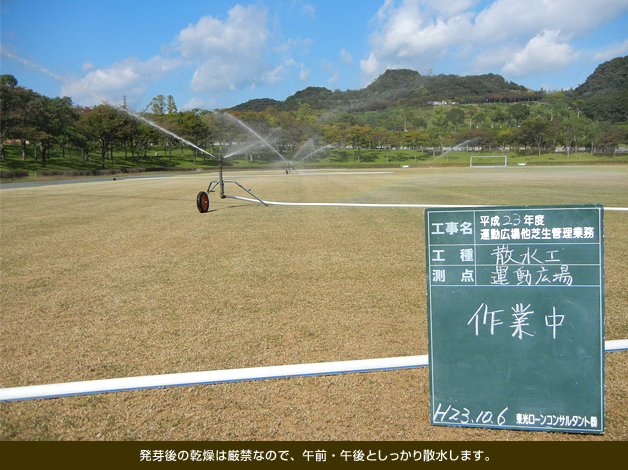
{"x":516,"y":317}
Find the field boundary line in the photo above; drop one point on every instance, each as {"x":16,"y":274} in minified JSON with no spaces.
{"x":230,"y":375}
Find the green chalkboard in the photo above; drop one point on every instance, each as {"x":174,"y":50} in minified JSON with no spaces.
{"x":516,"y":317}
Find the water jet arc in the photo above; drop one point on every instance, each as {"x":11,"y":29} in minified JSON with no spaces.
{"x":165,"y":131}
{"x":259,"y":137}
{"x":457,"y":146}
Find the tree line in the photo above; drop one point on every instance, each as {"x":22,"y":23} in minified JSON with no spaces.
{"x":45,"y":123}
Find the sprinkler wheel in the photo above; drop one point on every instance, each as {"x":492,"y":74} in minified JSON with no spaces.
{"x":202,"y":202}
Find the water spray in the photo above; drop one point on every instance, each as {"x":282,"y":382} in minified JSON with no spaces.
{"x":312,"y":153}
{"x":241,"y":150}
{"x":156,"y":126}
{"x":292,"y":163}
{"x":261,"y":139}
{"x":462,"y":144}
{"x":202,"y":199}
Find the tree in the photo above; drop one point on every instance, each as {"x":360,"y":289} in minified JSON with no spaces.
{"x":157,"y":105}
{"x":499,"y":115}
{"x":578,"y":105}
{"x":553,"y":135}
{"x":82,"y":137}
{"x":29,"y":116}
{"x":590,"y":134}
{"x":613,"y":138}
{"x":305,"y":123}
{"x":332,"y":136}
{"x":534,"y":131}
{"x":171,"y":107}
{"x":358,"y":137}
{"x":17,"y":113}
{"x":570,"y":135}
{"x":474,"y":137}
{"x":397,"y":140}
{"x":8,"y":80}
{"x":481,"y":119}
{"x":556,"y":104}
{"x":193,"y":128}
{"x":456,"y":117}
{"x":137,"y":136}
{"x":415,"y":139}
{"x":380,"y":136}
{"x":519,"y":112}
{"x":584,"y":130}
{"x":54,"y":118}
{"x":434,"y":138}
{"x":420,"y":122}
{"x":104,"y":124}
{"x":383,"y":138}
{"x":505,"y":138}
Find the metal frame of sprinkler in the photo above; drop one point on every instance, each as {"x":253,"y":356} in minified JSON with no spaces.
{"x":291,"y":168}
{"x":202,"y":199}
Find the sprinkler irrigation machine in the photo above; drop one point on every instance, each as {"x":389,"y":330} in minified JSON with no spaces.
{"x":202,"y":199}
{"x":291,"y":168}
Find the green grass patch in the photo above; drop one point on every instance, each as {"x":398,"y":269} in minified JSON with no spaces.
{"x":13,"y":166}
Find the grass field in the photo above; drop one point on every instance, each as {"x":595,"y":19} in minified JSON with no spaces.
{"x":126,"y":278}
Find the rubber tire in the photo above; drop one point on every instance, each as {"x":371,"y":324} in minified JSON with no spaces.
{"x":202,"y":202}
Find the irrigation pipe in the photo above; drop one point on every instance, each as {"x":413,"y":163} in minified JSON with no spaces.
{"x":231,"y":375}
{"x":401,"y":206}
{"x":209,"y":377}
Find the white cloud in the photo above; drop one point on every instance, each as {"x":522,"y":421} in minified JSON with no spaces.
{"x":414,"y":34}
{"x":127,"y":78}
{"x":197,"y":102}
{"x":229,"y":53}
{"x":304,"y":73}
{"x":279,"y":73}
{"x":329,"y":67}
{"x":493,"y":59}
{"x":87,"y":67}
{"x":308,"y":10}
{"x":346,"y":57}
{"x":617,"y":50}
{"x":514,"y":18}
{"x":518,"y":38}
{"x":225,"y":54}
{"x":543,"y":53}
{"x":370,"y":66}
{"x":243,"y":32}
{"x":276,"y":75}
{"x":304,"y":45}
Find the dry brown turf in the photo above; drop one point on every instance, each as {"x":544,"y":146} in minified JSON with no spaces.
{"x":126,"y":278}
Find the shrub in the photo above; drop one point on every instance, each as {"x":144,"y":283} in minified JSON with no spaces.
{"x":13,"y":174}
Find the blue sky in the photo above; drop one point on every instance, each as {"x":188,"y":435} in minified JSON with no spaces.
{"x":217,"y":53}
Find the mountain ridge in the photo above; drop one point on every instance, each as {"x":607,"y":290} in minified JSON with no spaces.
{"x":400,"y":84}
{"x":605,"y":91}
